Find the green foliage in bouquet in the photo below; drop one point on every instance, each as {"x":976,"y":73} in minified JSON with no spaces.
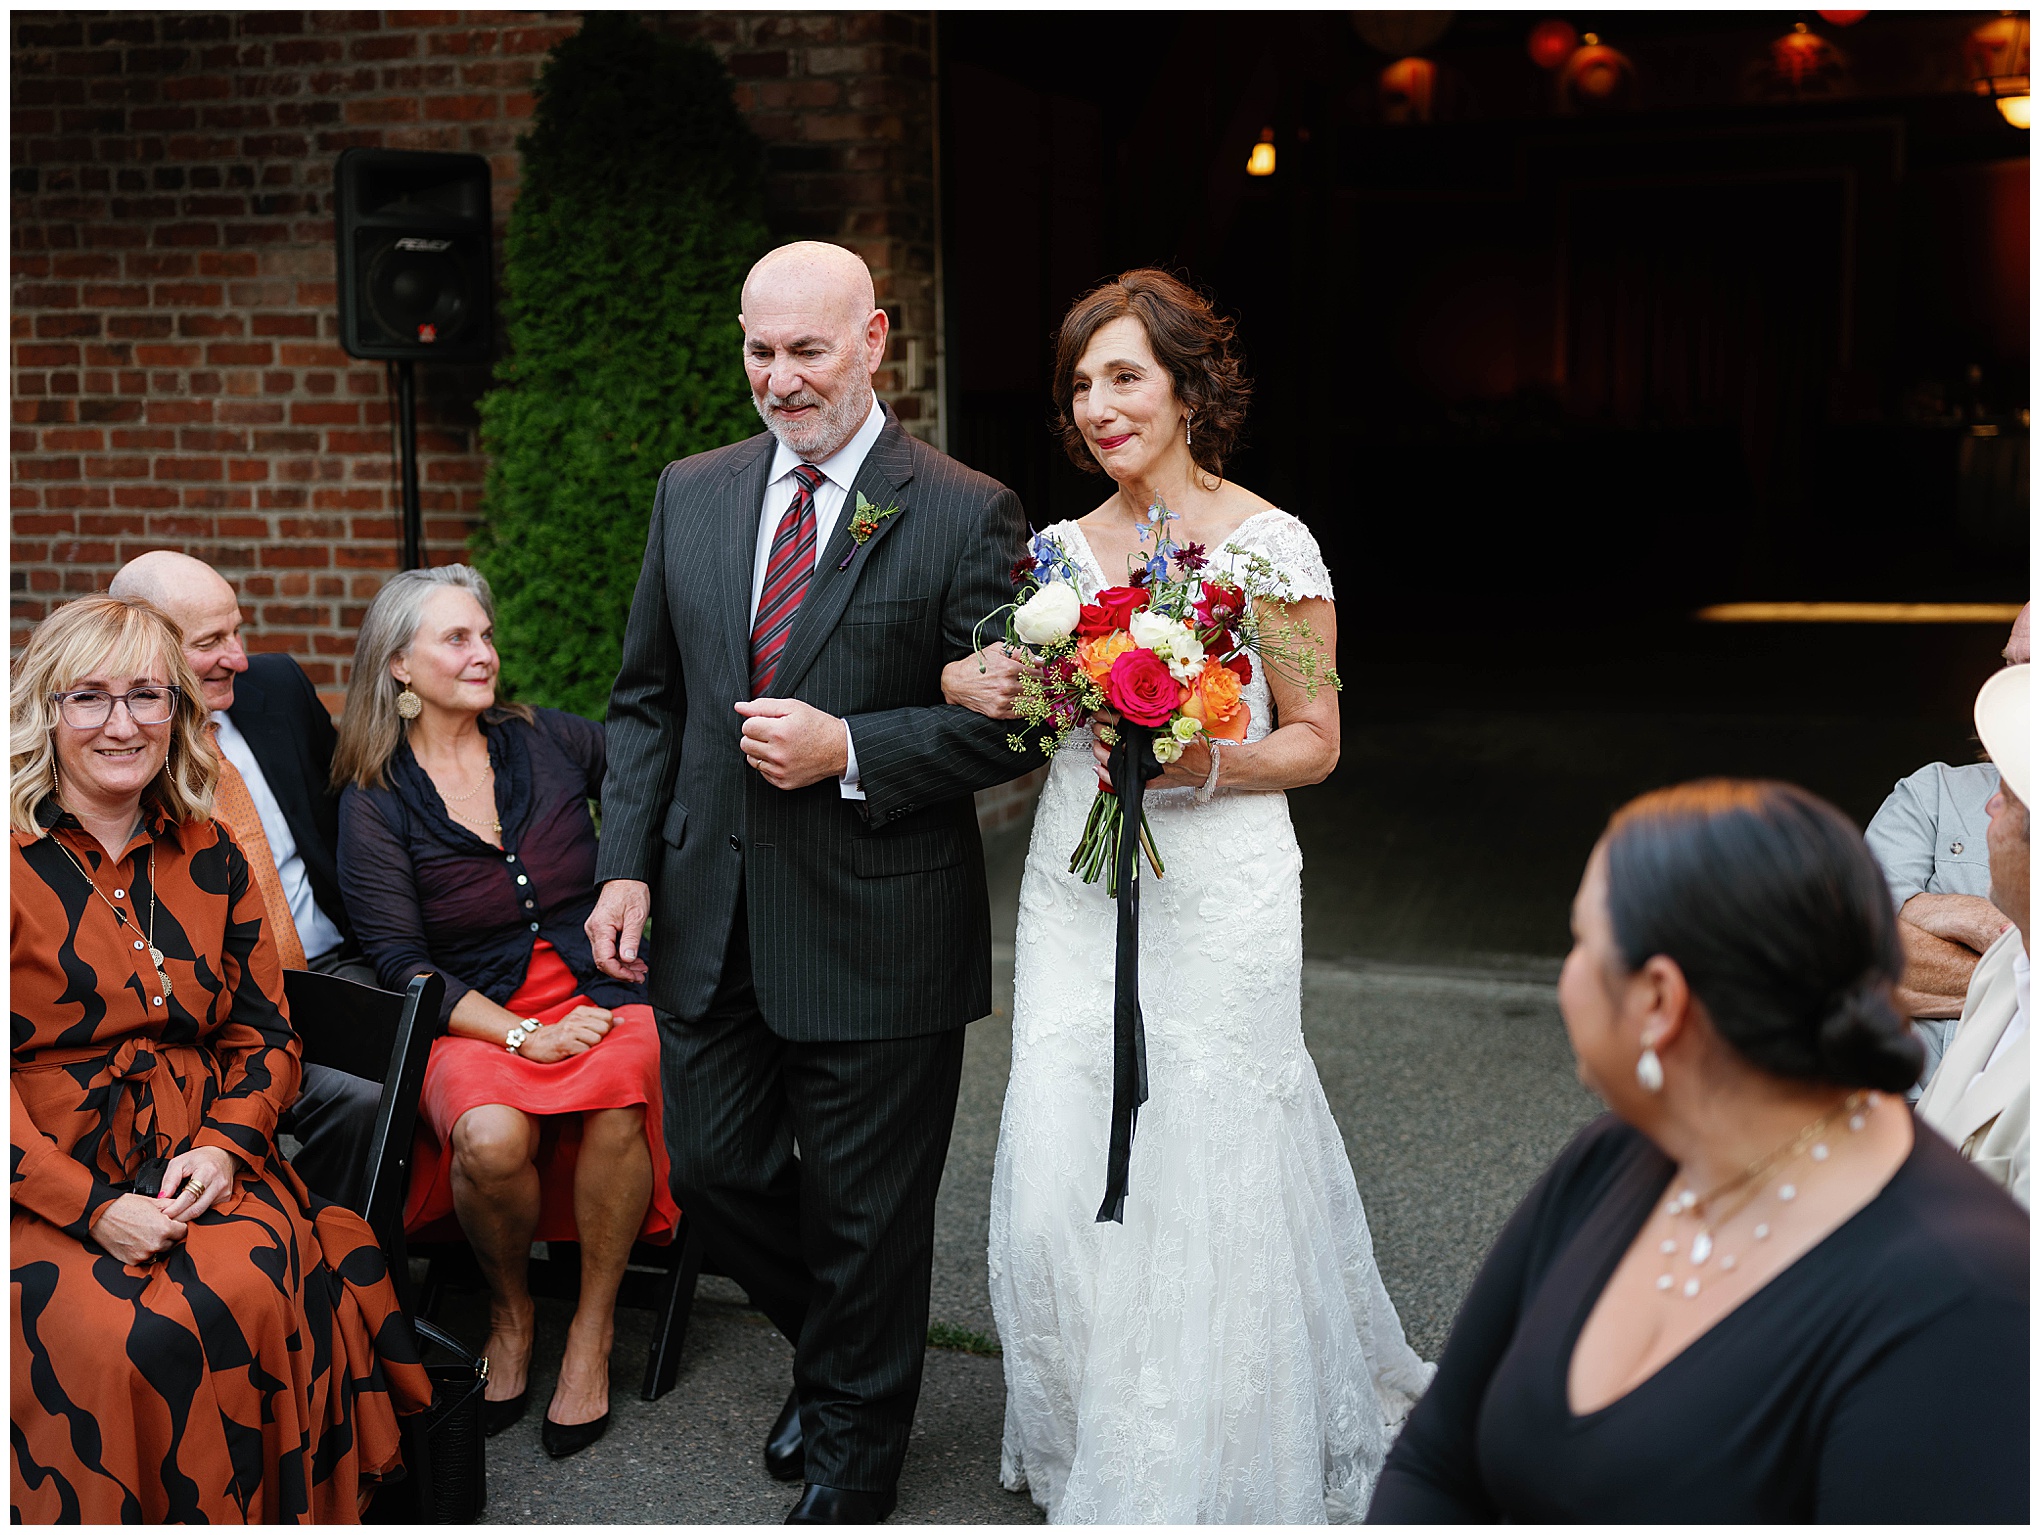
{"x":639,"y":214}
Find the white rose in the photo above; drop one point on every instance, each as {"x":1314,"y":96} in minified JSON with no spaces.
{"x":1051,"y":614}
{"x":1155,"y":631}
{"x":1167,"y":749}
{"x":1186,"y":729}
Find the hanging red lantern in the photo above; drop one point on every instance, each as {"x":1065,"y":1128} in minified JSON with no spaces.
{"x":1596,"y":78}
{"x":1804,"y":63}
{"x":1408,"y":91}
{"x":1842,"y":18}
{"x":1552,"y":43}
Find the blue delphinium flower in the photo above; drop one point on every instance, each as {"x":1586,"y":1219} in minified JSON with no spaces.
{"x":1050,"y":562}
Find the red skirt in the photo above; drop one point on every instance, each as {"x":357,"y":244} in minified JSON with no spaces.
{"x":463,"y":1074}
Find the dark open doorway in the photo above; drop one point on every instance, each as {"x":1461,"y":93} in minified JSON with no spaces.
{"x":1544,"y":380}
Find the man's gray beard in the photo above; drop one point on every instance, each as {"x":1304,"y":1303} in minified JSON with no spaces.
{"x":824,"y":434}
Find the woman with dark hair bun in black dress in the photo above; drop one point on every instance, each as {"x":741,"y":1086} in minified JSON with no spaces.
{"x":1754,"y":1291}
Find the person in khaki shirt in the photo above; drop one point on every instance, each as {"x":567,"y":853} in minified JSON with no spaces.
{"x":1978,"y":1097}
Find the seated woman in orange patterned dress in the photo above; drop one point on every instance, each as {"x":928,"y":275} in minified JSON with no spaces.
{"x":466,"y":849}
{"x":194,"y":1339}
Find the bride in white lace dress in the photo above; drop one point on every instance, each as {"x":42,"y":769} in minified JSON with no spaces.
{"x":1228,"y":1354}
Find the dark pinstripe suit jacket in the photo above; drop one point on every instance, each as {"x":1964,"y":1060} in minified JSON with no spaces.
{"x":868,"y":919}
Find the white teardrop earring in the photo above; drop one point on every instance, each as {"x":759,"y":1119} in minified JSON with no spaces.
{"x":1650,"y":1071}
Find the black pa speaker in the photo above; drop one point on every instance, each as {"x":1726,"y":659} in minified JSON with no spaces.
{"x":413,"y":235}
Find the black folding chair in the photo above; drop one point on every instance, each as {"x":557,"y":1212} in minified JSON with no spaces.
{"x":385,"y":1037}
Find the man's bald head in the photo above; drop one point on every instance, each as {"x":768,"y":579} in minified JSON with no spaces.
{"x":168,"y":579}
{"x":2019,"y":648}
{"x":813,"y":337}
{"x":199,"y":601}
{"x":814,"y":275}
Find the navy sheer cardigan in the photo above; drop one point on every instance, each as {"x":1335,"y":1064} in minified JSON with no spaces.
{"x":426,"y":894}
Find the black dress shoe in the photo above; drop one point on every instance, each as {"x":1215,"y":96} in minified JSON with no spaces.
{"x":564,"y":1439}
{"x":497,"y":1416}
{"x":841,"y":1505}
{"x":785,"y":1456}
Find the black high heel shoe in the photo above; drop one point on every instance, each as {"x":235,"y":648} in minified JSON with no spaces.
{"x":497,"y":1416}
{"x":564,"y":1439}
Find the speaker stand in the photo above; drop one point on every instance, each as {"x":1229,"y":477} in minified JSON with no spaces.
{"x":407,"y":437}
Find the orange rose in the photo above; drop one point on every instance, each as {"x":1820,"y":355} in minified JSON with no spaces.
{"x":1214,"y":698}
{"x":1097,"y":655}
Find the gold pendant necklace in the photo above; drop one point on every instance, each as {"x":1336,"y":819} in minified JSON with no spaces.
{"x":155,"y":954}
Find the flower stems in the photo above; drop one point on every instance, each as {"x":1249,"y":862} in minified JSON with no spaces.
{"x":1100,"y":842}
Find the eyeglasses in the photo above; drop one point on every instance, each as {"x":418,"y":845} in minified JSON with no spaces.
{"x":89,"y":708}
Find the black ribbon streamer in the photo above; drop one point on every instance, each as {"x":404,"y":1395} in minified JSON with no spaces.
{"x":1132,"y":764}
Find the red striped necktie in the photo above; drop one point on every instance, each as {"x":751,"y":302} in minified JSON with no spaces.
{"x":787,"y":570}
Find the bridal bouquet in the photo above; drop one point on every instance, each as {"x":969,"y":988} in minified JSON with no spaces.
{"x":1169,"y":652}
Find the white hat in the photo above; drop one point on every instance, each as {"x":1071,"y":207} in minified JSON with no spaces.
{"x":2002,"y":721}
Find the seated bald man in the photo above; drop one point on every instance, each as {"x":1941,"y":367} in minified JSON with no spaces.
{"x":275,"y":797}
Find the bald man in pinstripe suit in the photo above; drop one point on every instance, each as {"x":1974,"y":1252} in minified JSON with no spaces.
{"x":790,"y":798}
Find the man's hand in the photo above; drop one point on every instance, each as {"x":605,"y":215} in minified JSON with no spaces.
{"x":615,"y":926}
{"x":135,"y":1230}
{"x":793,"y":744}
{"x":1969,"y":920}
{"x":986,"y":681}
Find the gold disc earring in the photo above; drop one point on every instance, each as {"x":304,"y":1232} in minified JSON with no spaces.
{"x":409,"y":704}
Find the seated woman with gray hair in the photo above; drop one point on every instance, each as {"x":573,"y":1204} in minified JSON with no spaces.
{"x":467,"y":850}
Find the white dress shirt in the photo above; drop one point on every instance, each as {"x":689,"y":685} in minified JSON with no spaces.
{"x":315,"y":929}
{"x":837,"y":473}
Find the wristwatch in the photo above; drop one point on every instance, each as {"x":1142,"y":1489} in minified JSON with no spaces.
{"x":520,"y":1031}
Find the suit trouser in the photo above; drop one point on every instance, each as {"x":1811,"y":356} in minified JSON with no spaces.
{"x":835,"y":1242}
{"x":333,"y":1116}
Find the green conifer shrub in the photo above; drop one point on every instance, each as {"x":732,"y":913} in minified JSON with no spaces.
{"x":639,"y":214}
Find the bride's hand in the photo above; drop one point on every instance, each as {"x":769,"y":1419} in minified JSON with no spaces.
{"x":986,"y":682}
{"x":1186,"y":772}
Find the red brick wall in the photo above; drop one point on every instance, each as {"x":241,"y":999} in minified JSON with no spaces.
{"x":845,"y":102}
{"x":177,"y":377}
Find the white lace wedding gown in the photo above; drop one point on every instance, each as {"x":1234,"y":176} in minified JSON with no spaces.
{"x":1229,"y":1354}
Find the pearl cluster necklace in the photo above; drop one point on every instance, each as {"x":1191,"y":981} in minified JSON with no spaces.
{"x":1713,"y":1209}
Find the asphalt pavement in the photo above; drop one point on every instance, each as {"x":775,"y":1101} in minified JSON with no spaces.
{"x":1454,"y":1088}
{"x":1439,"y":862}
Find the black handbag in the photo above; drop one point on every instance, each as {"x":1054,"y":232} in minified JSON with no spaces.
{"x":452,"y":1484}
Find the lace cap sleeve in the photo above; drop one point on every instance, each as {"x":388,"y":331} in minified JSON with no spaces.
{"x":1289,"y":546}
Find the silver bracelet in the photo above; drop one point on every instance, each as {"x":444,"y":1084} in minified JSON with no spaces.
{"x":1210,"y":787}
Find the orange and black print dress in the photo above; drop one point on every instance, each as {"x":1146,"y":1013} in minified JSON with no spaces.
{"x":256,"y":1370}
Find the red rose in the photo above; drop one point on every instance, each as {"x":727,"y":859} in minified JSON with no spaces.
{"x":1114,"y":609}
{"x":1139,"y":687}
{"x":1242,"y":668}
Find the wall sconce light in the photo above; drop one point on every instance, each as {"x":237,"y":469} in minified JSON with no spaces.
{"x":1261,"y":160}
{"x":1997,"y":55}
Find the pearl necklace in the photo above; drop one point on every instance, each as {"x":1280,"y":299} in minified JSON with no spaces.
{"x":1749,"y":1185}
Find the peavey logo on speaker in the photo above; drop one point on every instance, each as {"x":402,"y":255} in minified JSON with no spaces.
{"x":413,"y":243}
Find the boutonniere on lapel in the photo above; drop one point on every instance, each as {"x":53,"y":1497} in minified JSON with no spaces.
{"x":863,"y":523}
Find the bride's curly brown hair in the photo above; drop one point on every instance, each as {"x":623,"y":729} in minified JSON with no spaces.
{"x":1189,"y":338}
